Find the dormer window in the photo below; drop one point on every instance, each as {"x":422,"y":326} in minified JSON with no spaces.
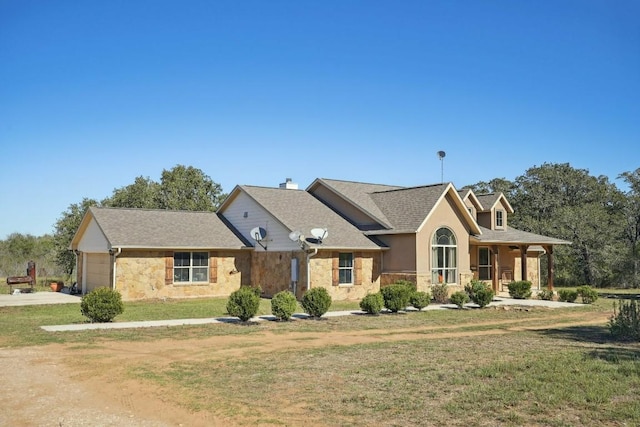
{"x":499,"y":219}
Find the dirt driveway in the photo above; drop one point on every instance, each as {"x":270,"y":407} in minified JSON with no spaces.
{"x":46,"y":386}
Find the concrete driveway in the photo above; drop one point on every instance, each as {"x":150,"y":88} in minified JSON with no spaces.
{"x":38,"y":298}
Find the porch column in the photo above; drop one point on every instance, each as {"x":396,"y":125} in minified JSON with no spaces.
{"x":550,"y":267}
{"x":523,"y":262}
{"x":495,"y":268}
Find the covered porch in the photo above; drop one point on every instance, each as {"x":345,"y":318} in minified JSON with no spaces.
{"x":503,"y":256}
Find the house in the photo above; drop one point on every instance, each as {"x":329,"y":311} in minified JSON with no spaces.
{"x":349,"y":237}
{"x":146,"y":253}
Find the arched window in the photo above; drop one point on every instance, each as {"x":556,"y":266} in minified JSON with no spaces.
{"x":444,"y":257}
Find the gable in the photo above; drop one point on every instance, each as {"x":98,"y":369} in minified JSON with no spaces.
{"x":92,"y":239}
{"x":293,"y":210}
{"x":244,"y":213}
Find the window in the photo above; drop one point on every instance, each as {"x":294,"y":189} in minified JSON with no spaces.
{"x":484,"y":264}
{"x":345,"y":269}
{"x":190,"y":267}
{"x":444,"y":257}
{"x":499,"y":219}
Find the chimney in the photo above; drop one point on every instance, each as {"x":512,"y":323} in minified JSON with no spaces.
{"x":289,"y":185}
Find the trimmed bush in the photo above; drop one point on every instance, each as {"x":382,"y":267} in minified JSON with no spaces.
{"x":520,"y":289}
{"x":479,"y":292}
{"x":420,"y":299}
{"x":244,"y":303}
{"x":396,"y":297}
{"x":372,"y":303}
{"x":545,"y":294}
{"x":316,"y":302}
{"x":440,"y":293}
{"x":625,"y":322}
{"x":567,"y":295}
{"x":283,"y":305}
{"x":588,"y":294}
{"x":101,"y":305}
{"x":459,"y":298}
{"x":412,"y":286}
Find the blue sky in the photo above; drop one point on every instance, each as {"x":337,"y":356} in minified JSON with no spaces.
{"x":96,"y":93}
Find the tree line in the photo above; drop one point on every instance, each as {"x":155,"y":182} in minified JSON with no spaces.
{"x":180,"y":188}
{"x":601,"y":221}
{"x":554,"y":199}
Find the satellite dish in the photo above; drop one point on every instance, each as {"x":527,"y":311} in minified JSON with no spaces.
{"x":258,"y":234}
{"x":441,"y":154}
{"x":319,"y":234}
{"x":295,"y":236}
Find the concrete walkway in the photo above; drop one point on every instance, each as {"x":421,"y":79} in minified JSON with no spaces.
{"x":37,"y":298}
{"x":498,"y":301}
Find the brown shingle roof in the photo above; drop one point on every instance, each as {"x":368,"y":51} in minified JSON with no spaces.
{"x":155,"y":229}
{"x":489,"y":200}
{"x":359,"y":194}
{"x":407,"y":208}
{"x":298,"y":210}
{"x":514,"y":236}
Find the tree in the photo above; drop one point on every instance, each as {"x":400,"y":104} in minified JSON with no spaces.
{"x":496,"y":185}
{"x":568,"y":203}
{"x":631,"y":214}
{"x":66,"y":228}
{"x":143,"y":193}
{"x":188,"y":188}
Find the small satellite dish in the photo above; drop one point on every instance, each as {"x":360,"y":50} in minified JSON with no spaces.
{"x":441,"y":154}
{"x":319,"y":234}
{"x":258,"y":234}
{"x":295,"y":236}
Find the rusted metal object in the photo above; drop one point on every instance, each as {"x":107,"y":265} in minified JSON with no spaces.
{"x":19,"y":280}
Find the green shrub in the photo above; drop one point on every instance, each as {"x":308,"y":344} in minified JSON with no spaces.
{"x":459,"y":298}
{"x":283,"y":305}
{"x":479,"y":292}
{"x":101,"y":305}
{"x":412,"y":286}
{"x":545,"y":294}
{"x":316,"y":302}
{"x":420,"y":299}
{"x":625,"y":322}
{"x":396,"y":297}
{"x":588,"y":294}
{"x":244,"y":303}
{"x":372,"y":303}
{"x":520,"y":289}
{"x":440,"y":293}
{"x":567,"y":295}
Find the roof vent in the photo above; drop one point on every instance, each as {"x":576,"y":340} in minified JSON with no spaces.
{"x":289,"y":185}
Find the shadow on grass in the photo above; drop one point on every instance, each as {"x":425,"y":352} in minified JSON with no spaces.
{"x":588,"y":334}
{"x":611,"y":350}
{"x":608,"y":295}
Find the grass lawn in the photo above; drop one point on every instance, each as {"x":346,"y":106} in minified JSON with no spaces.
{"x":474,"y":367}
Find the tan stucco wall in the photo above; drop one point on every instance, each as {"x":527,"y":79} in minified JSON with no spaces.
{"x":141,"y":275}
{"x":402,"y":255}
{"x":485,"y":220}
{"x":444,"y":215}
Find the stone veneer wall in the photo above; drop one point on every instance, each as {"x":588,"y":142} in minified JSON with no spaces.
{"x":141,"y":275}
{"x":272,"y":272}
{"x":322,"y":276}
